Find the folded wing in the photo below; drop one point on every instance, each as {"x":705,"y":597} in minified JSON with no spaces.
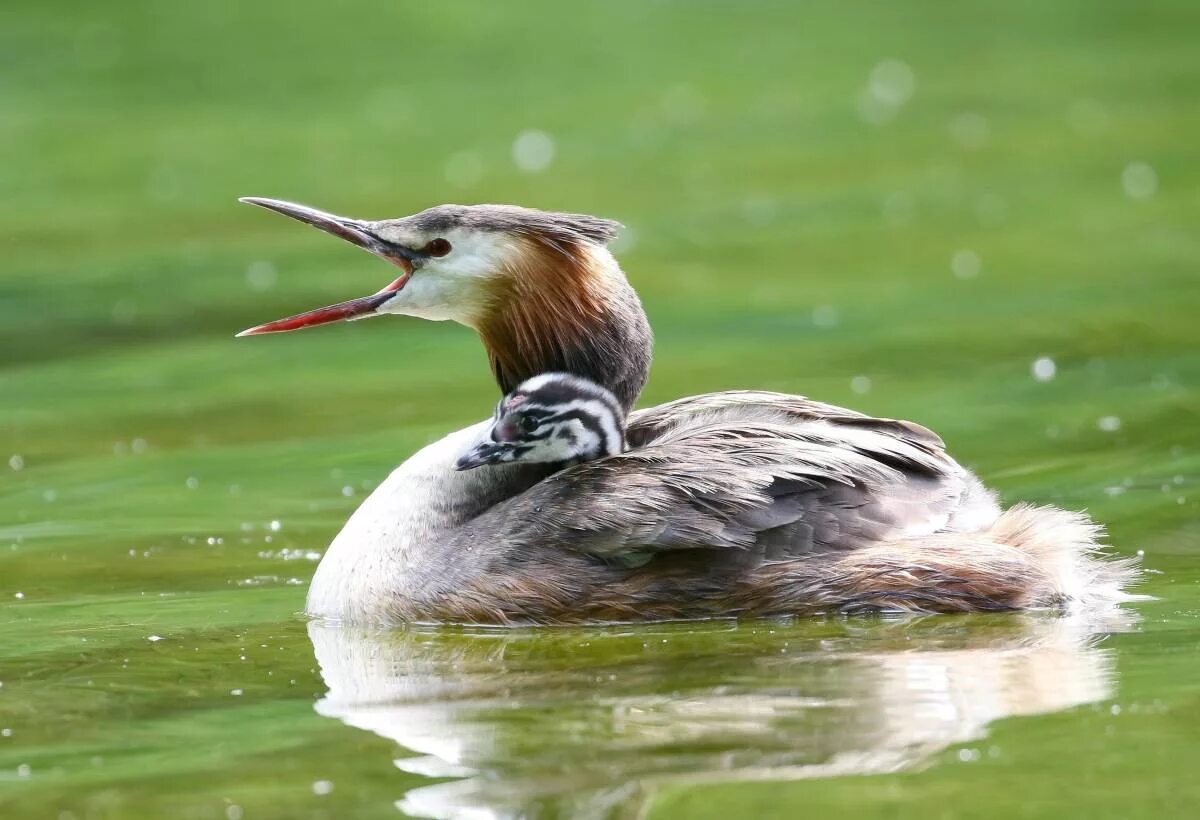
{"x":771,"y":475}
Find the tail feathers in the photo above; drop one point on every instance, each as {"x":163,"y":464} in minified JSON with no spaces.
{"x":1066,"y":547}
{"x":1029,"y":558}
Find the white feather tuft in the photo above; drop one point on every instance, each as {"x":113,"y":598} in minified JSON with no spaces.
{"x":1066,"y":546}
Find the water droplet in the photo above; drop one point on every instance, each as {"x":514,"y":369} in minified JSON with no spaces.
{"x":20,"y":596}
{"x":1109,"y":424}
{"x":154,"y":638}
{"x":533,"y":151}
{"x":236,"y":692}
{"x":192,"y":482}
{"x":892,"y":82}
{"x":347,"y":491}
{"x":24,"y":771}
{"x":1139,"y":180}
{"x":758,"y":210}
{"x":861,"y":384}
{"x":322,"y":787}
{"x":261,"y":276}
{"x":275,"y":526}
{"x":965,"y":264}
{"x":1043,"y":368}
{"x":233,"y":812}
{"x":825,"y":316}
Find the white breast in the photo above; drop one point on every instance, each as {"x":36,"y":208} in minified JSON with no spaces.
{"x":371,"y":560}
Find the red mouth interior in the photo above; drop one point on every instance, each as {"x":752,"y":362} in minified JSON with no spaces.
{"x":343,"y":311}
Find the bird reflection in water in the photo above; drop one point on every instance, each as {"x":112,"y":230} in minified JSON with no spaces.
{"x":589,"y":722}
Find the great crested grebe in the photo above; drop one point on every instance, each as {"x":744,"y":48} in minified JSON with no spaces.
{"x":726,"y":504}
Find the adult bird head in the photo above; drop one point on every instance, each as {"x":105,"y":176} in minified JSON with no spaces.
{"x":541,"y":288}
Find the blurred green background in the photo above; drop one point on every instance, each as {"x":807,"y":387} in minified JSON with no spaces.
{"x":979,"y":216}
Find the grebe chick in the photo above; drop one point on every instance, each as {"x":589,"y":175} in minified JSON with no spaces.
{"x":554,"y":418}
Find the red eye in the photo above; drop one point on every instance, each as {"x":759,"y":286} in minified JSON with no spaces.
{"x":437,"y":247}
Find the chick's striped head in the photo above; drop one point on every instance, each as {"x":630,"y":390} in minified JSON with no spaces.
{"x":553,"y":418}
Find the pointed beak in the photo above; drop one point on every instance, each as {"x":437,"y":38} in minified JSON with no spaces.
{"x":356,"y":232}
{"x":489,"y":452}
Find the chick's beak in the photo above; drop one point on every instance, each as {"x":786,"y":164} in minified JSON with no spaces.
{"x":356,"y":232}
{"x":489,"y":452}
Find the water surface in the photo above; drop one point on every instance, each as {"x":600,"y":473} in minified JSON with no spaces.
{"x":980,"y":218}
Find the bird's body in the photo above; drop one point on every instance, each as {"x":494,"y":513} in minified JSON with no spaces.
{"x":725,"y":504}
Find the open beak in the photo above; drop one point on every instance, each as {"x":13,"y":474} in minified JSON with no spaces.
{"x":354,"y":231}
{"x":489,"y":452}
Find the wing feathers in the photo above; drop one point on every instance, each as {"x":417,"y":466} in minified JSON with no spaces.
{"x":771,"y":475}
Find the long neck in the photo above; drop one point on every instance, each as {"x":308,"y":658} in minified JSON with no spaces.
{"x":568,"y":310}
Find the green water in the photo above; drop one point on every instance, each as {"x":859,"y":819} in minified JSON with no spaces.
{"x":167,"y":489}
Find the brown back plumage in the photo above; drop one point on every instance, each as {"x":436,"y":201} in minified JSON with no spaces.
{"x":740,"y":471}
